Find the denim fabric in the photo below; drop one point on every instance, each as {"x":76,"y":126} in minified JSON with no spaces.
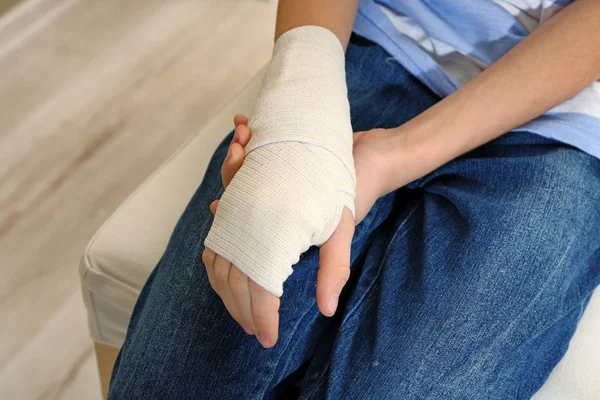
{"x":466,"y":284}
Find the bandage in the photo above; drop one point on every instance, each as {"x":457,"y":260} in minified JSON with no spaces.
{"x":298,"y":173}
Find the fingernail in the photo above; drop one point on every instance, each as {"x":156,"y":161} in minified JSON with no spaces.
{"x":333,"y":302}
{"x":246,"y":330}
{"x":232,"y":157}
{"x":264,"y":340}
{"x":235,"y":136}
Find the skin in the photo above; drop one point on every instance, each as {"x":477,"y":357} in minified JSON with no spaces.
{"x":334,"y":268}
{"x":555,"y":62}
{"x":255,"y":309}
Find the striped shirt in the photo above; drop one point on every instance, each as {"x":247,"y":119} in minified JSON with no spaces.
{"x":446,"y":43}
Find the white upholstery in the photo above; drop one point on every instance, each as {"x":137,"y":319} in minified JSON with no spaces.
{"x":127,"y":247}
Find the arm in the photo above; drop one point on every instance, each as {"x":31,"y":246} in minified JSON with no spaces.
{"x":335,"y":15}
{"x":555,"y":62}
{"x":296,"y":186}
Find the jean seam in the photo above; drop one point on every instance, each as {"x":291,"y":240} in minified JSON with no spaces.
{"x":287,"y":345}
{"x":366,"y":293}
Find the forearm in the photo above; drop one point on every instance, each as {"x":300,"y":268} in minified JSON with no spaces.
{"x":558,"y":60}
{"x":298,"y":172}
{"x":335,"y":15}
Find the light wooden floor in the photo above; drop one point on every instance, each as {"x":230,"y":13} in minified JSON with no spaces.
{"x":94,"y":95}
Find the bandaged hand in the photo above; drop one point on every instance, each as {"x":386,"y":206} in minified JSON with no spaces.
{"x":298,"y":173}
{"x":254,"y":308}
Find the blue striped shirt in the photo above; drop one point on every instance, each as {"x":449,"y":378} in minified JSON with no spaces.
{"x":446,"y":43}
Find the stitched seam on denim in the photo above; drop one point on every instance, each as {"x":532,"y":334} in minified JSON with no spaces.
{"x":582,"y":308}
{"x":367,"y":292}
{"x":483,"y":362}
{"x":556,"y":269}
{"x":396,"y":233}
{"x":559,"y":319}
{"x":554,"y":272}
{"x":287,"y":345}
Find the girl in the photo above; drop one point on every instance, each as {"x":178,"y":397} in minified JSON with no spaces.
{"x":473,"y":180}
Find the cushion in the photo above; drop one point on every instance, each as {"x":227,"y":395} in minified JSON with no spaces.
{"x":121,"y":255}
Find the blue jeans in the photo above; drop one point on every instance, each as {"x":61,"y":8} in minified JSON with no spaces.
{"x":465,"y":284}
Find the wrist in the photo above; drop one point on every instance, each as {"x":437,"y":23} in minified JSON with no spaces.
{"x":455,"y":125}
{"x":405,"y":158}
{"x":313,"y":36}
{"x":428,"y":141}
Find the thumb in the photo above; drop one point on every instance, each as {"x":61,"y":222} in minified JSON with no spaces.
{"x":213,"y":207}
{"x":334,"y":265}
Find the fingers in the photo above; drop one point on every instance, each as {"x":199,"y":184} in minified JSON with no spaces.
{"x":231,"y":285}
{"x":254,"y":308}
{"x":334,"y":265}
{"x":241,"y":135}
{"x":221,"y":270}
{"x":238,"y":283}
{"x":265,"y":313}
{"x":240,"y":119}
{"x":235,"y":154}
{"x":233,"y":162}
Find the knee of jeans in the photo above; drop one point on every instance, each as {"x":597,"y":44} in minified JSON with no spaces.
{"x":555,"y":201}
{"x":546,"y":197}
{"x":519,"y":231}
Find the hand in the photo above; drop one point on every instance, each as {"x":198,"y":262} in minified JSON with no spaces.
{"x":371,"y":153}
{"x":334,"y":268}
{"x":253,"y":307}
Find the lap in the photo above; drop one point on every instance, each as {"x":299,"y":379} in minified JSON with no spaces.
{"x":468,"y":267}
{"x":476,"y":288}
{"x":179,"y":312}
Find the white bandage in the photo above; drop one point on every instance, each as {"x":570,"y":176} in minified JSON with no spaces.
{"x":298,"y":173}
